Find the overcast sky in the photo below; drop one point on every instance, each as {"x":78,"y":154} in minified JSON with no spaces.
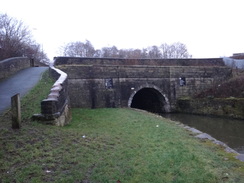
{"x":209,"y":28}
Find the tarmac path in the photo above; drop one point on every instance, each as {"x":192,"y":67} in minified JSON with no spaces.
{"x":22,"y":82}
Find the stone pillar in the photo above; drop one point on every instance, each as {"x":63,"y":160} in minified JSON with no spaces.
{"x":32,"y":62}
{"x":16,"y":111}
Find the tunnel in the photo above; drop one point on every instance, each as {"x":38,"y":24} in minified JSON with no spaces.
{"x":149,"y":99}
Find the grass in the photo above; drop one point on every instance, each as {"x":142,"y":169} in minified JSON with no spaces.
{"x":109,"y":145}
{"x":30,"y":104}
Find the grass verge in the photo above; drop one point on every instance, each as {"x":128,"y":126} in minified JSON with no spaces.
{"x":111,"y":145}
{"x":30,"y":104}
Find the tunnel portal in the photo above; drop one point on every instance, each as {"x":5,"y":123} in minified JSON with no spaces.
{"x":149,"y":99}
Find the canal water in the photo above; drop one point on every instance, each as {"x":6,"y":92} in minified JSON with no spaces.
{"x":229,"y":131}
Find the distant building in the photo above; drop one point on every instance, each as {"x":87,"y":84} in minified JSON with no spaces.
{"x":238,"y":56}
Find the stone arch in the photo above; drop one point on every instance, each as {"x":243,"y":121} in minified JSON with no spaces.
{"x":157,"y":97}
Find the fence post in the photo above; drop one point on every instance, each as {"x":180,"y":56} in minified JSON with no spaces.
{"x":16,"y":111}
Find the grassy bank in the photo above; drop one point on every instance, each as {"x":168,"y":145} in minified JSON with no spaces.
{"x":110,"y":145}
{"x":107,"y":145}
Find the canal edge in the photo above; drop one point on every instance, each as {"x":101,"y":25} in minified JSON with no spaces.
{"x":201,"y":135}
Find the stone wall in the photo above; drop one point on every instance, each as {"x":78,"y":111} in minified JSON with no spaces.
{"x":88,"y":84}
{"x":151,"y":62}
{"x":225,"y":107}
{"x":197,"y":79}
{"x":55,"y":109}
{"x":106,"y":82}
{"x":10,"y":66}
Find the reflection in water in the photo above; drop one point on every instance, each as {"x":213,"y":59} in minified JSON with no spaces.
{"x":229,"y":131}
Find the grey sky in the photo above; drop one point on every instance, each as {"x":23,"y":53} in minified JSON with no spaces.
{"x":209,"y":28}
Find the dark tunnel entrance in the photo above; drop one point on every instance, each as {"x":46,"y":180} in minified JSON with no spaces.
{"x":149,"y":99}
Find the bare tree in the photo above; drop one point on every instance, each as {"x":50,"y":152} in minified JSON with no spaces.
{"x":122,"y":53}
{"x":154,"y":52}
{"x":105,"y":52}
{"x":144,"y":53}
{"x":175,"y":50}
{"x":78,"y":49}
{"x":16,"y":39}
{"x":73,"y":49}
{"x":133,"y":54}
{"x":13,"y":37}
{"x":88,"y":49}
{"x":112,"y":52}
{"x":97,"y":53}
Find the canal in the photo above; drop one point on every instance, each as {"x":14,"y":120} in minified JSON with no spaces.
{"x":229,"y":131}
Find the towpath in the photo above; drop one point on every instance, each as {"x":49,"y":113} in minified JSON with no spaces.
{"x":22,"y":82}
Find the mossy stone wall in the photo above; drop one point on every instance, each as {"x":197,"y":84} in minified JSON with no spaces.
{"x":225,"y":107}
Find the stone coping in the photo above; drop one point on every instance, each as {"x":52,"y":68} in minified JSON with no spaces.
{"x":55,"y":109}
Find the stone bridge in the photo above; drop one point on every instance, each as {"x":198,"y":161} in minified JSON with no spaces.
{"x":149,"y":84}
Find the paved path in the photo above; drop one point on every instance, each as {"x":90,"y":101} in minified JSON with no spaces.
{"x":21,"y":83}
